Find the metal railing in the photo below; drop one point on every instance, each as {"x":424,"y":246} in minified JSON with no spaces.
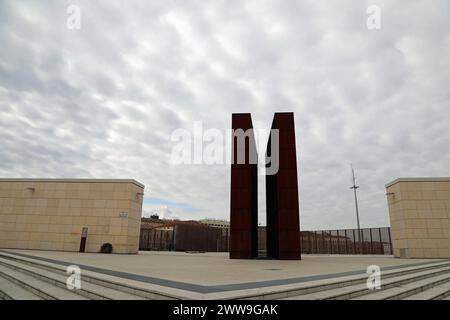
{"x":347,"y":241}
{"x":203,"y":238}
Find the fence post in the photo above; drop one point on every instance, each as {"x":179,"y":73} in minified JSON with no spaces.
{"x":310,"y":243}
{"x":153,"y":238}
{"x":323,"y":239}
{"x":390,"y":241}
{"x":330,"y":246}
{"x":314,"y":242}
{"x":361,"y":240}
{"x":381,"y":241}
{"x":338,"y":240}
{"x":345,"y":234}
{"x":371,"y":241}
{"x":173,"y":237}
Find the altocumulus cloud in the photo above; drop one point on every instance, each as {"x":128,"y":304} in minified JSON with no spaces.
{"x":103,"y":101}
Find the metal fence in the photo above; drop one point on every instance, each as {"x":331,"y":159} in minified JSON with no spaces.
{"x":200,"y":238}
{"x":347,"y":241}
{"x":184,"y":238}
{"x":156,"y":240}
{"x":204,"y":238}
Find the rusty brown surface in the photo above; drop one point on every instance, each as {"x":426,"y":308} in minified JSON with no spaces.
{"x":196,"y":238}
{"x":244,"y":198}
{"x":282,"y":204}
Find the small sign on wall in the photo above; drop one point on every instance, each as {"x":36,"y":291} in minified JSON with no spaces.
{"x":123,"y":214}
{"x":84,"y":233}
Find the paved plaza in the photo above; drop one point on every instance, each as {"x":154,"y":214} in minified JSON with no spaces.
{"x":213,"y":275}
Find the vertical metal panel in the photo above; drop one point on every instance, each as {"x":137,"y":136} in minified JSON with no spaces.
{"x":282,"y":209}
{"x":331,"y":241}
{"x":380,"y":241}
{"x":390,"y":240}
{"x":316,"y":241}
{"x":386,"y":239}
{"x":371,"y":241}
{"x":377,"y":248}
{"x":324,"y":246}
{"x":346,"y":241}
{"x":338,"y":240}
{"x":244,"y":198}
{"x":355,"y":242}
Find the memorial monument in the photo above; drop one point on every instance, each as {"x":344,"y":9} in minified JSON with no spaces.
{"x":244,"y":190}
{"x":282,"y":204}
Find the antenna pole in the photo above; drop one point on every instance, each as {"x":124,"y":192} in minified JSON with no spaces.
{"x":354,"y":187}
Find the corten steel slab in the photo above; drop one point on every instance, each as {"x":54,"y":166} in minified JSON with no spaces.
{"x":244,"y":193}
{"x":282,"y":204}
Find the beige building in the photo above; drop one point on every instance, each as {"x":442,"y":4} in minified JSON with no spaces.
{"x":50,"y":214}
{"x":216,"y":223}
{"x":419,"y":210}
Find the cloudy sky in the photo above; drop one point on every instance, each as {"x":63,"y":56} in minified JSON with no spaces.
{"x":102,"y":101}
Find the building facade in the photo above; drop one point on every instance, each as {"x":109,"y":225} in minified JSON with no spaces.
{"x":55,"y":214}
{"x":214,"y":223}
{"x":419,"y":210}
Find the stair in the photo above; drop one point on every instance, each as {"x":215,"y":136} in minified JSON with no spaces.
{"x":27,"y":279}
{"x":421,"y":283}
{"x":10,"y":291}
{"x":438,"y":292}
{"x":42,"y":289}
{"x":403,"y":291}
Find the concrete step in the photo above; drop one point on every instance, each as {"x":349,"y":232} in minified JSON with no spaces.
{"x":97,"y":285}
{"x":88,"y":290}
{"x":406,"y":290}
{"x":339,"y":284}
{"x":131,"y":292}
{"x":12,"y":291}
{"x":359,"y":289}
{"x":36,"y":286}
{"x":437,"y":293}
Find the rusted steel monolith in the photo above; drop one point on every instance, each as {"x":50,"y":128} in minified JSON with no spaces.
{"x":282,"y":204}
{"x":244,"y":190}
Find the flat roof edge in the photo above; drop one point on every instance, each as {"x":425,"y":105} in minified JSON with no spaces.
{"x":74,"y":180}
{"x":425,"y":179}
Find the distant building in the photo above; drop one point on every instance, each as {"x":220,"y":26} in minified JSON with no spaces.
{"x":163,"y":224}
{"x":216,"y":223}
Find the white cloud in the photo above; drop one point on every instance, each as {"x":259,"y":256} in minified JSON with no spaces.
{"x":102,"y":101}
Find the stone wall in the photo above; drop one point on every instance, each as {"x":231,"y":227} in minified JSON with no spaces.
{"x":49,"y":214}
{"x":419,"y":211}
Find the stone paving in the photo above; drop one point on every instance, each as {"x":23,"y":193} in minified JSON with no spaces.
{"x":213,"y":275}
